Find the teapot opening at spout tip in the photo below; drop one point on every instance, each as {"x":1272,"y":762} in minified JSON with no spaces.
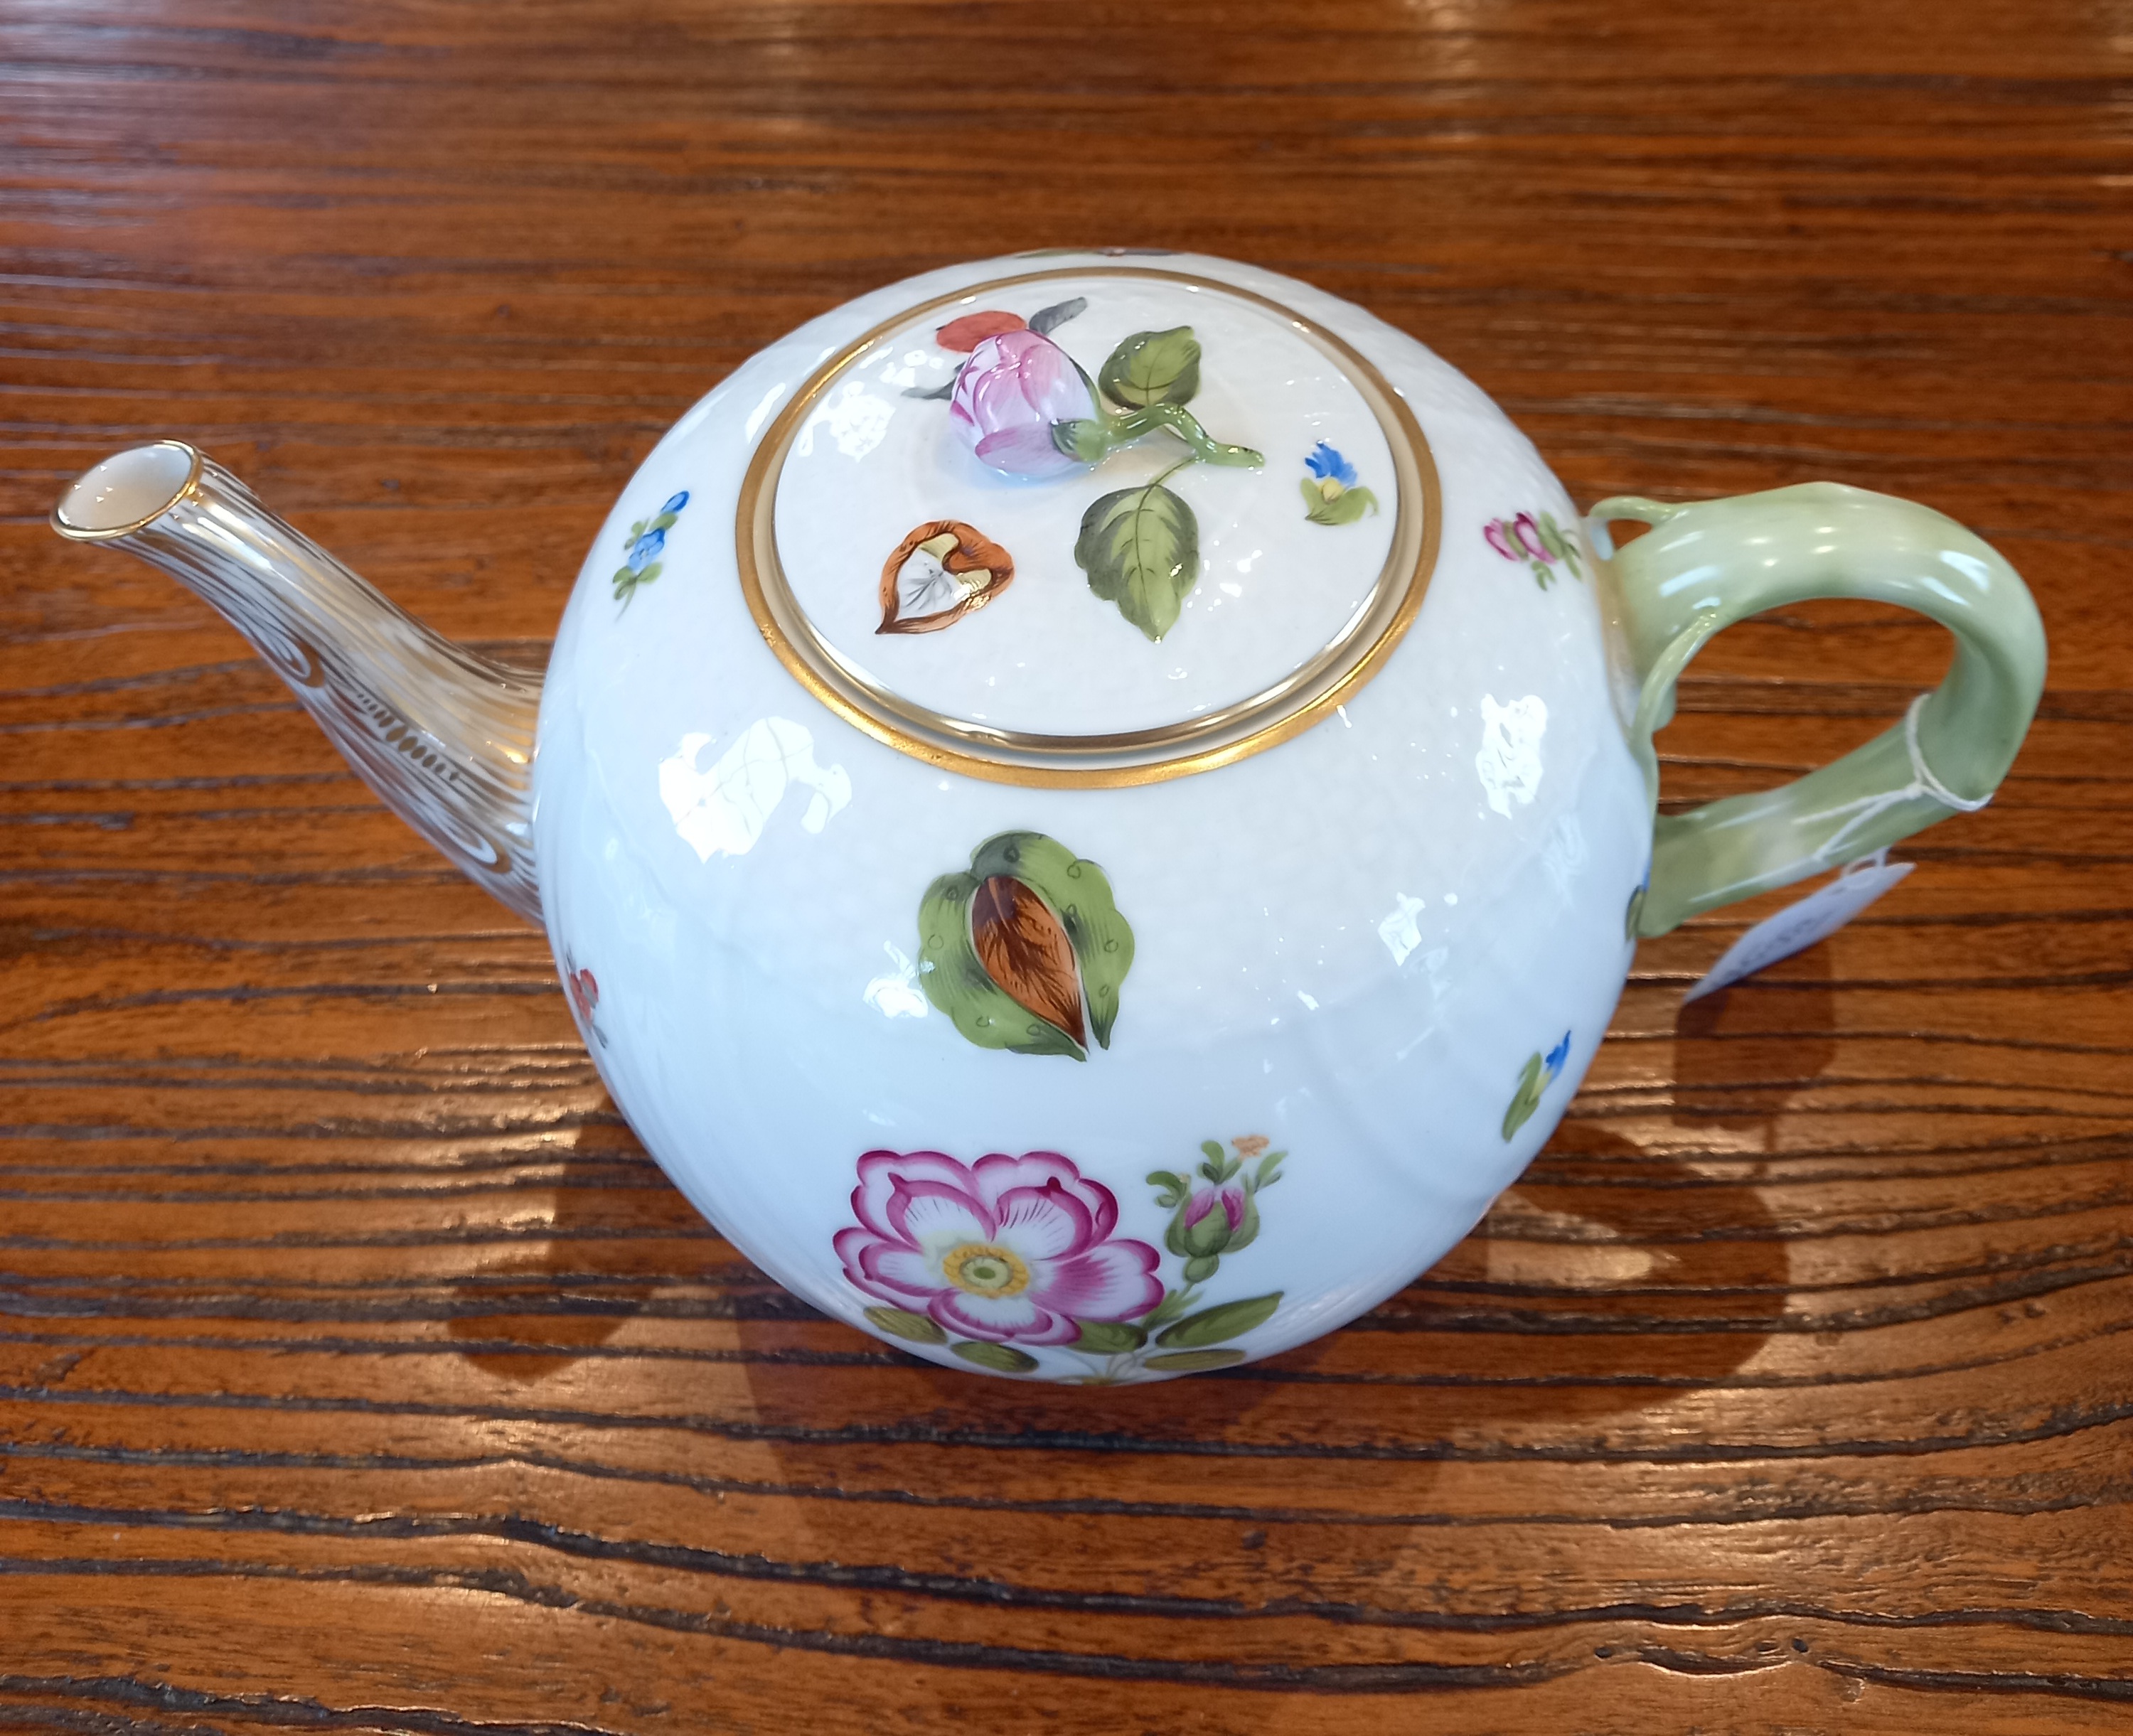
{"x":127,"y":491}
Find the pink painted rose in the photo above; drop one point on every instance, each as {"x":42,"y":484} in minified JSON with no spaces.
{"x":1527,"y":533}
{"x":1015,"y":1250}
{"x":585,"y":993}
{"x":1015,"y":388}
{"x":1202,"y":1203}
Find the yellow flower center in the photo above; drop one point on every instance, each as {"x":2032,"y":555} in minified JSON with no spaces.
{"x":978,"y":1268}
{"x":1329,"y":489}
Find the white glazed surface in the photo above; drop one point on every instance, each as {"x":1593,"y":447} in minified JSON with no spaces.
{"x":1349,"y":943}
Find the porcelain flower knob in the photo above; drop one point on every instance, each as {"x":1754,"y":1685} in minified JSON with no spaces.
{"x":1016,"y":388}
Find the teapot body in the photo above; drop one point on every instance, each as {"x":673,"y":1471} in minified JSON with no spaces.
{"x":1205,"y":1033}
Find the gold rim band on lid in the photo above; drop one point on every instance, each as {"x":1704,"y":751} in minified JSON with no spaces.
{"x":1266,"y":718}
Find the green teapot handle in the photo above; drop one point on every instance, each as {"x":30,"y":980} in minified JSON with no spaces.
{"x":1701,"y":567}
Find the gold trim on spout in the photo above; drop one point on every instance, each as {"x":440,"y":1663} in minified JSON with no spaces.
{"x":190,"y":486}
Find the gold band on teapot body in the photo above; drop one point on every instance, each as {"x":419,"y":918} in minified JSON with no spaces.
{"x":1271,"y":716}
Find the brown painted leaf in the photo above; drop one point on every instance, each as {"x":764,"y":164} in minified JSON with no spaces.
{"x":1025,"y":950}
{"x":938,"y":574}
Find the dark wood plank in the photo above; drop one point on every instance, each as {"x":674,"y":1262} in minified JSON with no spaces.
{"x":358,"y":1373}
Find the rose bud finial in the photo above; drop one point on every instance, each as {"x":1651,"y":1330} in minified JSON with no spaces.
{"x":1018,"y":387}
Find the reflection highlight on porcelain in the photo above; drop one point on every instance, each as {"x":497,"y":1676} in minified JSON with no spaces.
{"x":1402,"y":930}
{"x":895,"y":994}
{"x":723,"y":811}
{"x":855,"y":419}
{"x":1508,"y":763}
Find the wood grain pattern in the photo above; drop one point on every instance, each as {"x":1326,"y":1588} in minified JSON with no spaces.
{"x":357,"y":1372}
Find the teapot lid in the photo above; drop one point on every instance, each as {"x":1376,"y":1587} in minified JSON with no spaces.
{"x":1089,"y":525}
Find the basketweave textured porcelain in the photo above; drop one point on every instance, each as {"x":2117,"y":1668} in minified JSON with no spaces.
{"x":1092,"y":809}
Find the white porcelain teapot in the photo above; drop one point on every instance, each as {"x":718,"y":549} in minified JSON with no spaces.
{"x":1092,"y":809}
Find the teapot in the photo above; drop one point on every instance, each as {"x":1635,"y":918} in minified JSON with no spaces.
{"x":1093,"y":808}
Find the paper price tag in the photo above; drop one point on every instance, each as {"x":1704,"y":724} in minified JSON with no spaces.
{"x":1799,"y":926}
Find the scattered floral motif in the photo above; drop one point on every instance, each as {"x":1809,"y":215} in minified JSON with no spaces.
{"x":1026,"y":408}
{"x":1636,"y":910}
{"x":939,"y":574}
{"x":1008,"y":1250}
{"x":1330,"y":493}
{"x":1219,"y":1213}
{"x":1539,"y":1073}
{"x":583,"y":989}
{"x":646,"y":542}
{"x":1540,"y":542}
{"x":985,"y":1259}
{"x":1027,"y":951}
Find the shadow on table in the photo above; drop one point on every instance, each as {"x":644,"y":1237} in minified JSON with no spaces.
{"x":530,"y":1312}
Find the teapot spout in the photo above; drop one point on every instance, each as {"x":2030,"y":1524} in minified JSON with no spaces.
{"x":444,"y":737}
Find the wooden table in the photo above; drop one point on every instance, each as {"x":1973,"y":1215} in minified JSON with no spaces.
{"x":358,"y":1371}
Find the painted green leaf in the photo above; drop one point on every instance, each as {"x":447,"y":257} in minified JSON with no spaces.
{"x":1140,"y":548}
{"x":1223,"y":1321}
{"x":1152,"y":368}
{"x":956,"y":982}
{"x":1000,"y":1358}
{"x":1050,"y":319}
{"x":1173,"y":1305}
{"x":1192,"y":1361}
{"x":1532,"y":1081}
{"x":1563,"y":548}
{"x":1344,"y":508}
{"x":626,"y":582}
{"x":1108,"y":1338}
{"x":902,"y":1323}
{"x":1080,"y":895}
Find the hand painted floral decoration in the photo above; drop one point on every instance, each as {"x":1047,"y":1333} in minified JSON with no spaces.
{"x":1330,"y":493}
{"x":1539,"y":542}
{"x":1027,"y":951}
{"x":940,"y":572}
{"x":582,"y":988}
{"x":986,"y":1258}
{"x":1027,"y":408}
{"x":1539,"y":1073}
{"x":1006,"y":1251}
{"x":646,"y":542}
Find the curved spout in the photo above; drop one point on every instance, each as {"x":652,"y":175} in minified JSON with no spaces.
{"x":444,"y":737}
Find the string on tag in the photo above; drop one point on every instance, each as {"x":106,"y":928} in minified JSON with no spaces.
{"x":1869,"y":808}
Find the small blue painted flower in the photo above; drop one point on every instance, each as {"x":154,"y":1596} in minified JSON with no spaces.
{"x":1330,"y":493}
{"x":646,"y":543}
{"x":1557,"y":1056}
{"x":1327,"y":464}
{"x":1540,"y":1072}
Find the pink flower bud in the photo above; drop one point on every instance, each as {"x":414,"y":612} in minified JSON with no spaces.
{"x":1011,"y":391}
